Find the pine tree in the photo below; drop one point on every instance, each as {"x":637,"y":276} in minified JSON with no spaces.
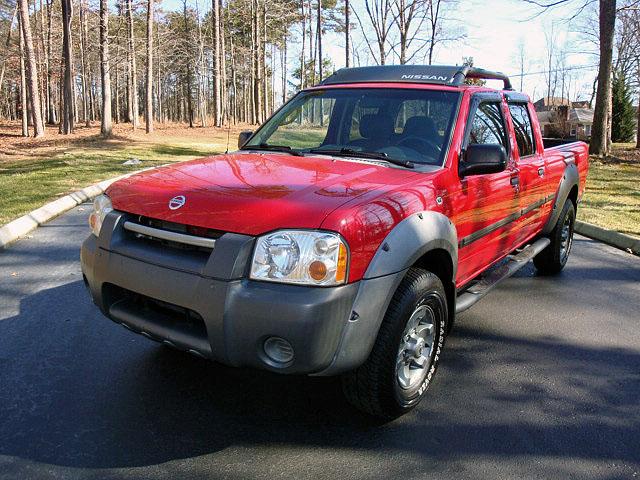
{"x":623,"y":119}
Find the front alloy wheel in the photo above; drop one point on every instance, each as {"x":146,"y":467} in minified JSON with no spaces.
{"x":416,"y":348}
{"x":405,"y":355}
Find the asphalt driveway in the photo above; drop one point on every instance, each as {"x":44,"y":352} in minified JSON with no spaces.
{"x":541,"y":379}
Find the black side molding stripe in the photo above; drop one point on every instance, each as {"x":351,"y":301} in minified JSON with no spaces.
{"x":483,"y":232}
{"x":478,"y":234}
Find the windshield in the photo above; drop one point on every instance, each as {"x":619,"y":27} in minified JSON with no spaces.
{"x":402,"y":124}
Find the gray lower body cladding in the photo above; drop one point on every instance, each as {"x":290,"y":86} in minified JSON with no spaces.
{"x":168,"y":299}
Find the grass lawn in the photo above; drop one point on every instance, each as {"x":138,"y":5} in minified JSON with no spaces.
{"x":34,"y":172}
{"x":612,"y":196}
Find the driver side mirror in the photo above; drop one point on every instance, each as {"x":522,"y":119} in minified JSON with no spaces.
{"x":482,"y":158}
{"x":244,"y":137}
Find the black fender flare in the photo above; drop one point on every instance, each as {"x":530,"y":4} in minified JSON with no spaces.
{"x":403,"y":246}
{"x":570,"y":179}
{"x":411,"y":239}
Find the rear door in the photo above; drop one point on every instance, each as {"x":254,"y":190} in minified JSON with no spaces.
{"x":487,"y":206}
{"x":531,"y":166}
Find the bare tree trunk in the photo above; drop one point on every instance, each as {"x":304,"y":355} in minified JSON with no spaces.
{"x":223,"y":71}
{"x":61,"y":96}
{"x":67,"y":56}
{"x":303,"y":59}
{"x":106,"y":126}
{"x":347,"y":35}
{"x":133,"y":73}
{"x":609,"y":120}
{"x":93,"y":105}
{"x":149,"y":87}
{"x":202,"y":104}
{"x":83,"y":65}
{"x":598,"y":145}
{"x":90,"y":83}
{"x":217,"y":107}
{"x":257,"y":67}
{"x":593,"y":92}
{"x":312,"y":60}
{"x":116,"y":90}
{"x":284,"y":71}
{"x":434,"y":20}
{"x":7,"y":44}
{"x":638,"y":122}
{"x":160,"y":93}
{"x":263,"y":60}
{"x":23,"y":86}
{"x":32,"y":70}
{"x":51,"y":109}
{"x":187,"y":34}
{"x":234,"y":83}
{"x":403,"y":28}
{"x":320,"y":40}
{"x":42,"y":61}
{"x":638,"y":118}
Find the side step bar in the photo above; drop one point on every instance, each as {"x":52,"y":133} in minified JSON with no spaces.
{"x":495,"y":275}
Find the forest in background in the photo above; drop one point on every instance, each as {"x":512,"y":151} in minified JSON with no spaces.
{"x":222,"y":62}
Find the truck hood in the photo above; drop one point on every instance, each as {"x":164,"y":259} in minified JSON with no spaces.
{"x":252,"y":193}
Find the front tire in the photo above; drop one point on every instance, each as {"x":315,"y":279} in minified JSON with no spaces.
{"x":552,"y":259}
{"x":406,"y":353}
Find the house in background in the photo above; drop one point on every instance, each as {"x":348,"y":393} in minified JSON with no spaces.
{"x":580,"y":122}
{"x":547,"y":104}
{"x":561,"y":118}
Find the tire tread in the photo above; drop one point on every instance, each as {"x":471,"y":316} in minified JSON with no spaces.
{"x":365,"y":387}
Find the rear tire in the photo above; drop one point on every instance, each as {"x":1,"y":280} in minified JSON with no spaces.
{"x":407,"y":350}
{"x":552,"y":259}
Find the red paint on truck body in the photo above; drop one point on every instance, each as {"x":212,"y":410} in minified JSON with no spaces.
{"x":255,"y":193}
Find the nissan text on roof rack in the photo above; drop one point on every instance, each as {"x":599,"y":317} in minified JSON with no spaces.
{"x":345,"y":234}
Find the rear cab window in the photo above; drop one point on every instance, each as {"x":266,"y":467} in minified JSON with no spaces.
{"x":523,"y":129}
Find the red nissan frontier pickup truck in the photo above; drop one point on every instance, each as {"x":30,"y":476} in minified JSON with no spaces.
{"x":345,"y":233}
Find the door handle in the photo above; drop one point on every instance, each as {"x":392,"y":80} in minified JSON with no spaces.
{"x":515,"y":181}
{"x":540,"y":172}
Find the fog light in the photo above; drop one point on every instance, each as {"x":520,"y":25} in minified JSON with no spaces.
{"x":278,"y":350}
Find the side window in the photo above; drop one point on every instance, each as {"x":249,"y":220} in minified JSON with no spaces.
{"x":487,"y":126}
{"x":522,"y":128}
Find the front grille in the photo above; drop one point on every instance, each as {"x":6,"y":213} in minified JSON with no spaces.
{"x":188,"y":237}
{"x":177,"y":227}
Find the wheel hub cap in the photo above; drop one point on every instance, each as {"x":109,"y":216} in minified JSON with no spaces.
{"x":416,"y":348}
{"x":565,"y":239}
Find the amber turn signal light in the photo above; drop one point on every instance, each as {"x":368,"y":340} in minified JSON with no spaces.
{"x":341,"y":269}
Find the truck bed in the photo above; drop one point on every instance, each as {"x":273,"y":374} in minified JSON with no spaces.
{"x":550,"y":143}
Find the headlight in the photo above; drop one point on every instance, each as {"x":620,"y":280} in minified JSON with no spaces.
{"x":101,"y":206}
{"x":300,"y":257}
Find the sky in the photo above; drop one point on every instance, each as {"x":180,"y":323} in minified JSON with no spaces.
{"x":493,"y":29}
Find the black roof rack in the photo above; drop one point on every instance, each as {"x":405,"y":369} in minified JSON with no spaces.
{"x":435,"y":74}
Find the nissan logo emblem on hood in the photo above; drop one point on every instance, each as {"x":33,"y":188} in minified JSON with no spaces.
{"x":177,"y":202}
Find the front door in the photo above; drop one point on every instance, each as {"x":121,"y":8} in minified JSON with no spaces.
{"x":487,"y":206}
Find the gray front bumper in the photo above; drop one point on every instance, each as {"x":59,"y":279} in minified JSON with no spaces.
{"x":236,"y":315}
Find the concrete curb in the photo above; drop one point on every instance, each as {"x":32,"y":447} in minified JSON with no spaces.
{"x":610,"y":237}
{"x":18,"y":228}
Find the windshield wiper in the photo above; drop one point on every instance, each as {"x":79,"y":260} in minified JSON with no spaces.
{"x":274,"y":148}
{"x":350,"y":152}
